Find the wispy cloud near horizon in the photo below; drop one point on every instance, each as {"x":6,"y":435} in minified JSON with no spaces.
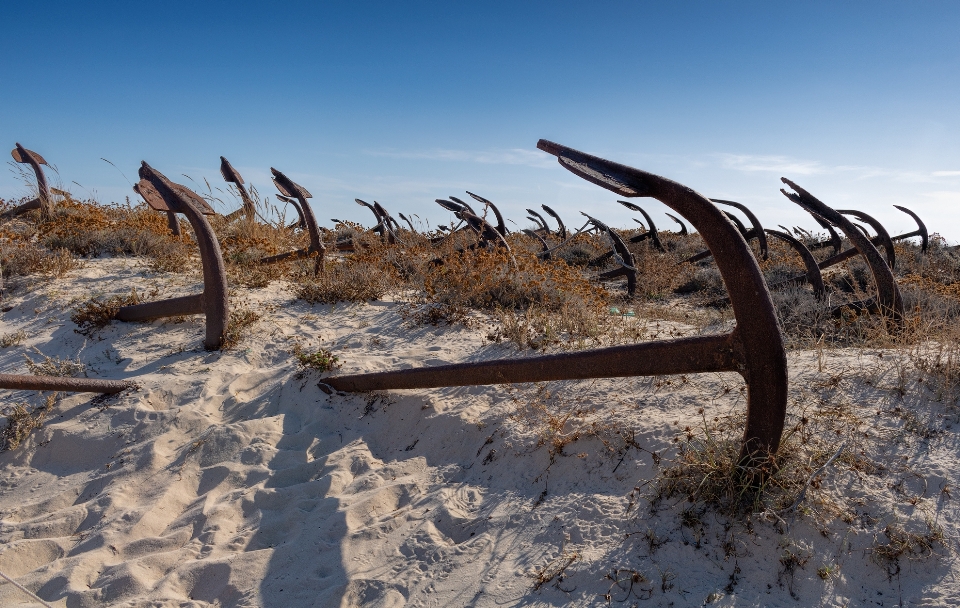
{"x":785,"y":165}
{"x":509,"y":156}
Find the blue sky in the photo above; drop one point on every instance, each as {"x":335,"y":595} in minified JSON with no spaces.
{"x":407,"y":102}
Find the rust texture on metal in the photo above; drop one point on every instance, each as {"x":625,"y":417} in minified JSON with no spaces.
{"x":316,"y":248}
{"x":834,"y":241}
{"x":156,"y":202}
{"x":301,"y":222}
{"x":540,"y":220}
{"x":391,"y":224}
{"x":232,"y":176}
{"x":813,"y":275}
{"x":889,"y":299}
{"x":882,"y":238}
{"x":683,"y":227}
{"x":754,"y":349}
{"x":43,"y":202}
{"x":921,"y":230}
{"x":20,"y":382}
{"x":756,"y":231}
{"x":651,"y":232}
{"x":620,"y":253}
{"x":736,"y":222}
{"x":501,"y":226}
{"x":409,"y":223}
{"x":561,"y":230}
{"x":545,"y":253}
{"x":213,"y":303}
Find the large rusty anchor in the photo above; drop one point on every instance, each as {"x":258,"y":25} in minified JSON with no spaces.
{"x":889,"y":302}
{"x":163,"y":195}
{"x":43,"y":202}
{"x":291,"y":189}
{"x":754,"y":348}
{"x":20,"y":382}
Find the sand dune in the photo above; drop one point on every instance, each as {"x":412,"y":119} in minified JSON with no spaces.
{"x":231,"y":479}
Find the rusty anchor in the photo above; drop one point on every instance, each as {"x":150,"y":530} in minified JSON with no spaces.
{"x":921,"y":230}
{"x":537,"y":218}
{"x":163,"y":195}
{"x":409,"y":223}
{"x":813,"y":275}
{"x":19,"y":382}
{"x":620,"y":253}
{"x":882,"y":238}
{"x":683,"y":227}
{"x":754,"y":348}
{"x":301,"y":223}
{"x":43,"y":202}
{"x":562,"y":230}
{"x":834,"y":240}
{"x":386,"y":225}
{"x":755,"y":232}
{"x":232,"y":176}
{"x":652,"y":233}
{"x":888,"y":300}
{"x":290,"y":189}
{"x":501,"y":226}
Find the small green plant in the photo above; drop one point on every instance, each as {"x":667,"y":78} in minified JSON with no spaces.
{"x":321,"y":360}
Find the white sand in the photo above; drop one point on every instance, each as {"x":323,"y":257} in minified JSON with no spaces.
{"x":231,"y":479}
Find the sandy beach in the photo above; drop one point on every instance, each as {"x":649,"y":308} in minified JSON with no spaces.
{"x":231,"y":479}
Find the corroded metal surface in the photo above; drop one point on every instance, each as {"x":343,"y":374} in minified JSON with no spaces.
{"x":651,"y":233}
{"x":561,"y":230}
{"x":213,"y":302}
{"x":882,"y":238}
{"x":43,"y":201}
{"x":754,"y":348}
{"x":301,"y":222}
{"x":683,"y":227}
{"x":232,"y":176}
{"x":756,"y":231}
{"x":620,"y":253}
{"x":316,"y":247}
{"x":921,"y":230}
{"x":19,"y":382}
{"x":501,"y":226}
{"x":813,"y":275}
{"x":889,"y":300}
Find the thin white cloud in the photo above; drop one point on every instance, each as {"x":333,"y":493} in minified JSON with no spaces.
{"x":785,"y":165}
{"x":511,"y":156}
{"x":774,"y":164}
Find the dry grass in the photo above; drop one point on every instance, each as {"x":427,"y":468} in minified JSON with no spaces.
{"x":13,"y":339}
{"x":22,"y":420}
{"x":239,"y":323}
{"x":54,"y":366}
{"x":95,"y":314}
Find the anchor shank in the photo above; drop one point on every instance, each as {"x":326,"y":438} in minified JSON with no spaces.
{"x":683,"y":356}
